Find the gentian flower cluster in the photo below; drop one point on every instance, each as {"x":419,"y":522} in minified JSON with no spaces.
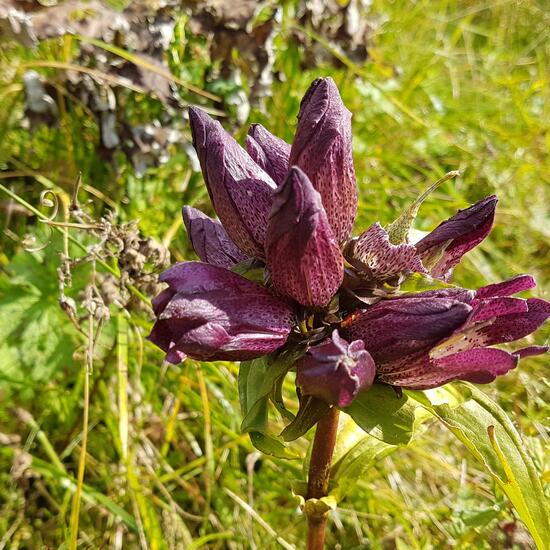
{"x":280,"y":269}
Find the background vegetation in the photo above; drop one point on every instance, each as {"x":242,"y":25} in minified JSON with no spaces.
{"x":447,"y":85}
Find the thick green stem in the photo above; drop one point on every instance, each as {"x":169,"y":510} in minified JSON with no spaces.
{"x":319,"y":475}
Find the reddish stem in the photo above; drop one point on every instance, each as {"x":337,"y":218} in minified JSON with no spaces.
{"x":319,"y":474}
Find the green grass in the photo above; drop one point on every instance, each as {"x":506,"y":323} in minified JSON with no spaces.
{"x":450,"y":85}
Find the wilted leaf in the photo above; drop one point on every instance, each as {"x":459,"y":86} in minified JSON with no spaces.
{"x":345,"y":25}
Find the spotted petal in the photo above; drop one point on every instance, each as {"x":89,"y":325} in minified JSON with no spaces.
{"x":510,"y":320}
{"x":395,"y":328}
{"x":373,"y":254}
{"x":507,"y":288}
{"x":531,"y":351}
{"x":322,"y":148}
{"x":210,"y":240}
{"x":335,"y":371}
{"x":210,"y":313}
{"x":269,"y":152}
{"x":444,"y":247}
{"x":239,"y":189}
{"x":479,"y":365}
{"x":514,"y":326}
{"x":303,"y":257}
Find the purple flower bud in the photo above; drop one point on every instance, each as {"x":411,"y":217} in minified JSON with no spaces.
{"x":303,"y":256}
{"x":443,"y":248}
{"x":269,"y":152}
{"x":210,"y":240}
{"x":372,"y":253}
{"x":436,"y":337}
{"x":210,"y":313}
{"x":322,"y":148}
{"x":239,"y":189}
{"x":335,"y":371}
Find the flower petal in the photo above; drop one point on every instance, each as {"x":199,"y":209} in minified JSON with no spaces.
{"x":507,"y":288}
{"x":531,"y":351}
{"x":335,"y":371}
{"x":269,"y":152}
{"x":443,"y":248}
{"x":239,"y":189}
{"x":210,"y":240}
{"x":303,"y":257}
{"x":322,"y":148}
{"x":373,"y":254}
{"x":161,"y":335}
{"x":477,"y":365}
{"x":495,"y":321}
{"x":496,"y":307}
{"x":514,"y":326}
{"x":215,"y":314}
{"x":392,"y":329}
{"x":160,"y":301}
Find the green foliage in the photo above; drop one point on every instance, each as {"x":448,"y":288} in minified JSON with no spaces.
{"x":383,"y":414}
{"x":448,"y":86}
{"x":355,"y":453}
{"x":491,"y":437}
{"x":475,"y":419}
{"x":35,"y":340}
{"x":257,"y":380}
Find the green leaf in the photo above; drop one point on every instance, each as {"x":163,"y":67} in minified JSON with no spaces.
{"x":269,"y":445}
{"x":380,"y":424}
{"x":257,"y":380}
{"x":29,"y":308}
{"x":490,"y":436}
{"x":311,"y":409}
{"x":355,"y":452}
{"x":276,"y":397}
{"x":418,"y":282}
{"x":89,"y":494}
{"x":384,"y":415}
{"x":398,"y":230}
{"x":250,"y":270}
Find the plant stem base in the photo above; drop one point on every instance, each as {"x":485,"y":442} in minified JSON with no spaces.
{"x":319,"y":474}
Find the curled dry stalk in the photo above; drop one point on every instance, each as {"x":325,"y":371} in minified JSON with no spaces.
{"x":75,"y":509}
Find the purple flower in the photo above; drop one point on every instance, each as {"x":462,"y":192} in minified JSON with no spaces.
{"x":211,"y":314}
{"x":289,"y":211}
{"x":322,"y":149}
{"x":239,"y":189}
{"x":335,"y":371}
{"x":269,"y":152}
{"x":431,"y":338}
{"x":210,"y":240}
{"x":443,"y":248}
{"x":303,"y":257}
